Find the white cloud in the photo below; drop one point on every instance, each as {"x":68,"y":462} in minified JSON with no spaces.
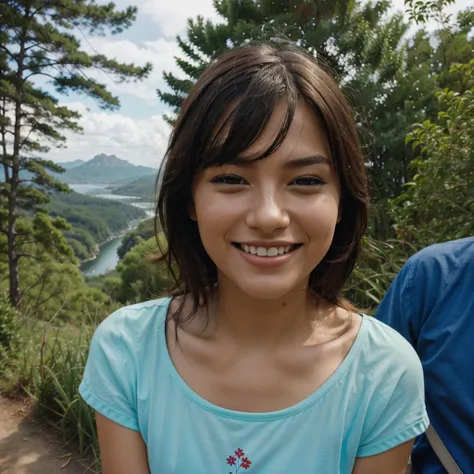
{"x":172,"y":15}
{"x":160,"y":53}
{"x":139,"y":141}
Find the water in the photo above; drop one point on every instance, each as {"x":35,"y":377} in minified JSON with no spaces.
{"x":107,"y":257}
{"x":90,"y":189}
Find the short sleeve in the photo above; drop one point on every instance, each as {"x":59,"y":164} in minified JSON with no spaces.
{"x":397,"y":411}
{"x":110,"y":374}
{"x":399,"y":309}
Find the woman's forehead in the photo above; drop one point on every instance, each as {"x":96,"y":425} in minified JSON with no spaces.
{"x":305,"y":135}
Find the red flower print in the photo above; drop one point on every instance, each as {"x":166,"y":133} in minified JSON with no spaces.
{"x":239,"y":461}
{"x":239,"y":453}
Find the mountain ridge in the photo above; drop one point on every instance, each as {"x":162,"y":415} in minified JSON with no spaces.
{"x":104,"y":169}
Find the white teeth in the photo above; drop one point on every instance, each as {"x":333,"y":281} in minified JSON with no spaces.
{"x":265,"y":252}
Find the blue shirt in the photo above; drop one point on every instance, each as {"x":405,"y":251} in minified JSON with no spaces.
{"x":373,"y":402}
{"x":431,"y":303}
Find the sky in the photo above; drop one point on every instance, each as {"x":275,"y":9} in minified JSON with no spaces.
{"x":137,"y":131}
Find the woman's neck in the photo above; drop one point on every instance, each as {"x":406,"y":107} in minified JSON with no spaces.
{"x":251,"y":321}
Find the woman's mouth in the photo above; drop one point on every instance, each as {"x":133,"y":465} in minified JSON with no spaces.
{"x":261,"y":251}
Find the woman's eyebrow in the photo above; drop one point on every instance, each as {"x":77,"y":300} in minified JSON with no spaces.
{"x":307,"y":161}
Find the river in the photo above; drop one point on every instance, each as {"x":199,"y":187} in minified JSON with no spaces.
{"x":107,"y":257}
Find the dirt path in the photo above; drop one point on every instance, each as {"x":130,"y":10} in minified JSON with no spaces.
{"x":26,"y":447}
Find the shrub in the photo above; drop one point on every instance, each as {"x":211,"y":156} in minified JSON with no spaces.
{"x":9,"y":332}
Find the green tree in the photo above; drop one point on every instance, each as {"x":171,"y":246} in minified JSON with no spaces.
{"x":422,"y":10}
{"x":438,"y":205}
{"x":145,"y":230}
{"x":140,"y":279}
{"x":41,"y":38}
{"x":350,"y":36}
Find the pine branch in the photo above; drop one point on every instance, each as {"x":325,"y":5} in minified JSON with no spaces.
{"x":8,"y":52}
{"x":29,"y":255}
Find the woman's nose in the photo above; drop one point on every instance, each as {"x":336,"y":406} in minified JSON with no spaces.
{"x":267,"y":214}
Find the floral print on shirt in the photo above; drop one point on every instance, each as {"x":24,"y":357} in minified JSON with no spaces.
{"x":238,"y":461}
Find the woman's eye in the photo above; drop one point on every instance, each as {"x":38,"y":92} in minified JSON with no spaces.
{"x":228,"y":179}
{"x":307,"y":181}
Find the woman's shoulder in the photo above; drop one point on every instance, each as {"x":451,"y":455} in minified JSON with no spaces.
{"x":135,"y":322}
{"x":387,"y":351}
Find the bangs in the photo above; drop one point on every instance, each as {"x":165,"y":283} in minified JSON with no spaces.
{"x":241,"y":125}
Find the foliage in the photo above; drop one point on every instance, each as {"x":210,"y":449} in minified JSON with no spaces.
{"x":9,"y":332}
{"x":93,"y":220}
{"x":140,"y":279}
{"x":438,"y":205}
{"x":37,"y":40}
{"x":422,"y":10}
{"x":378,"y":264}
{"x":48,"y":366}
{"x":53,"y":288}
{"x":144,"y":231}
{"x":352,"y":38}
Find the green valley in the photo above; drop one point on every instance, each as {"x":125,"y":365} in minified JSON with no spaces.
{"x":93,"y":220}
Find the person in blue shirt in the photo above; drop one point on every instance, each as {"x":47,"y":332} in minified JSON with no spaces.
{"x":431,"y":303}
{"x":256,"y":363}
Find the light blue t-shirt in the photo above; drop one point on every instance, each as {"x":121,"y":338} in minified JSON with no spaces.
{"x":373,"y":402}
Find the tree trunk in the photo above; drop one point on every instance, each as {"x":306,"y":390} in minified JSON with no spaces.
{"x":14,"y":278}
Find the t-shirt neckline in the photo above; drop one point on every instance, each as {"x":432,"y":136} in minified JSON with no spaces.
{"x":306,"y":403}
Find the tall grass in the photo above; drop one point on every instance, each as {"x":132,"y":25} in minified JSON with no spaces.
{"x":378,"y":264}
{"x":49,"y":367}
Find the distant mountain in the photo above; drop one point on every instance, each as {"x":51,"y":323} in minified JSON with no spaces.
{"x":69,"y":165}
{"x":105,"y":169}
{"x":143,"y":188}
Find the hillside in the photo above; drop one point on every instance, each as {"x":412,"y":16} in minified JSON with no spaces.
{"x":93,"y":220}
{"x":104,"y":169}
{"x":69,"y":165}
{"x":143,"y":187}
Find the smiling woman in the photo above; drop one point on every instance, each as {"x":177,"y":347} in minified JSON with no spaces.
{"x":263,"y":204}
{"x":291,"y":200}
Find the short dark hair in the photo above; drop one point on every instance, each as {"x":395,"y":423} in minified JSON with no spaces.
{"x":253,"y":79}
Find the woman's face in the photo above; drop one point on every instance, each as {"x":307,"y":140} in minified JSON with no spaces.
{"x":267,"y":224}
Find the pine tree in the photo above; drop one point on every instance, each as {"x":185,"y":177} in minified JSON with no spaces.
{"x":351,"y":37}
{"x":42,"y":38}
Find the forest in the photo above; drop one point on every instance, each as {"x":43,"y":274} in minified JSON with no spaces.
{"x":411,"y":87}
{"x":92,"y":220}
